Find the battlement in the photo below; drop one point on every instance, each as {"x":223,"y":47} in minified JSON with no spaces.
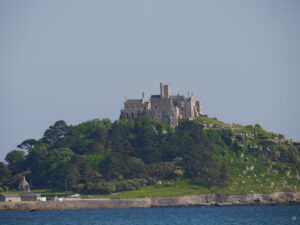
{"x":163,"y":107}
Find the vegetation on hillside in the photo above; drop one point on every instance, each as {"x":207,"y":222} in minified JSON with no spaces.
{"x":145,"y":157}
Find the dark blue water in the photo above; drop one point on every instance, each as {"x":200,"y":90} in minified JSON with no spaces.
{"x":189,"y":216}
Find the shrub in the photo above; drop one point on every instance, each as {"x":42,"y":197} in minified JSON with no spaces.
{"x":162,"y":170}
{"x":124,"y":186}
{"x":150,"y":180}
{"x":89,"y":188}
{"x":257,"y":125}
{"x":133,"y":184}
{"x":105,"y":188}
{"x":79,"y":188}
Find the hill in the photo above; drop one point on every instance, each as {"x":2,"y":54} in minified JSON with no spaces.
{"x":144,"y":157}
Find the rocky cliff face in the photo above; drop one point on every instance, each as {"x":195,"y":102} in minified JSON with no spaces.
{"x":279,"y":198}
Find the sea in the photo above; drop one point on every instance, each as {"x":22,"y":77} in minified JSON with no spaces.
{"x":157,"y":216}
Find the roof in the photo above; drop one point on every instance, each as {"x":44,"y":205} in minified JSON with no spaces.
{"x":29,"y":194}
{"x":176,"y":97}
{"x":16,"y":195}
{"x":133,"y":101}
{"x":11,"y":195}
{"x":155,"y":96}
{"x":23,"y":182}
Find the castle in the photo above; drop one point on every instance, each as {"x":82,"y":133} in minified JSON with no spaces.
{"x":163,"y":107}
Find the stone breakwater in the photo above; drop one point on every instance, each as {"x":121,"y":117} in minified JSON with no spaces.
{"x":279,"y":198}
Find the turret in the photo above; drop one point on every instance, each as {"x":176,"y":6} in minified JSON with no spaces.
{"x":143,"y":97}
{"x":162,"y":94}
{"x":167,"y":90}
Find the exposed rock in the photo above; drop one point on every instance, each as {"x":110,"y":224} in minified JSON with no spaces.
{"x":275,"y":155}
{"x":253,"y":149}
{"x":288,"y":172}
{"x":239,"y":137}
{"x":290,"y":159}
{"x":284,"y":183}
{"x":273,"y":172}
{"x":281,"y":137}
{"x":250,"y":168}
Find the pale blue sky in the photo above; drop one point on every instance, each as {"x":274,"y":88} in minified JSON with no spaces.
{"x":77,"y":60}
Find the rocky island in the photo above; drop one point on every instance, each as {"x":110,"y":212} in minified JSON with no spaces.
{"x":161,"y":152}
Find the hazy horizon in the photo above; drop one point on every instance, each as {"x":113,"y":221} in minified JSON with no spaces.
{"x":76,"y":61}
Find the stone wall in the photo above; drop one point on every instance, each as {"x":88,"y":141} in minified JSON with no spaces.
{"x":223,"y":200}
{"x":279,"y":198}
{"x":76,"y":204}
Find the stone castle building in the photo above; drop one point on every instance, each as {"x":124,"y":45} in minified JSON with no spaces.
{"x":163,"y":107}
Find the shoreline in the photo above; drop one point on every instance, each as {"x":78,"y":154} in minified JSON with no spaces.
{"x":278,"y":198}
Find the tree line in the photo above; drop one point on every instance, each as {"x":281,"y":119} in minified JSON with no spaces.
{"x":100,"y":156}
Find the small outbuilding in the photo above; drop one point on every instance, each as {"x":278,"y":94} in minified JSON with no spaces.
{"x":10,"y":198}
{"x":30,"y":197}
{"x":24,"y":185}
{"x":20,"y":197}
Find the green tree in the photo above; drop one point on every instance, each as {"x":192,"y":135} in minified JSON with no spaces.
{"x":35,"y":162}
{"x":67,"y":175}
{"x":224,"y":176}
{"x":146,"y":145}
{"x":54,"y":133}
{"x":28,"y":144}
{"x":15,"y":160}
{"x":5,"y":173}
{"x":121,"y":136}
{"x":86,"y":173}
{"x":70,"y":139}
{"x":162,"y":170}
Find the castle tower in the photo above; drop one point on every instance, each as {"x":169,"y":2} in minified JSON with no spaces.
{"x":162,"y":94}
{"x":167,"y":90}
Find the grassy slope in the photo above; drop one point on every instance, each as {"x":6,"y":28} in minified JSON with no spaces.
{"x":242,"y":181}
{"x":256,"y":181}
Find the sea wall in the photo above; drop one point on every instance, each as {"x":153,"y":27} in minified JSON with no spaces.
{"x":279,"y":198}
{"x":77,"y":204}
